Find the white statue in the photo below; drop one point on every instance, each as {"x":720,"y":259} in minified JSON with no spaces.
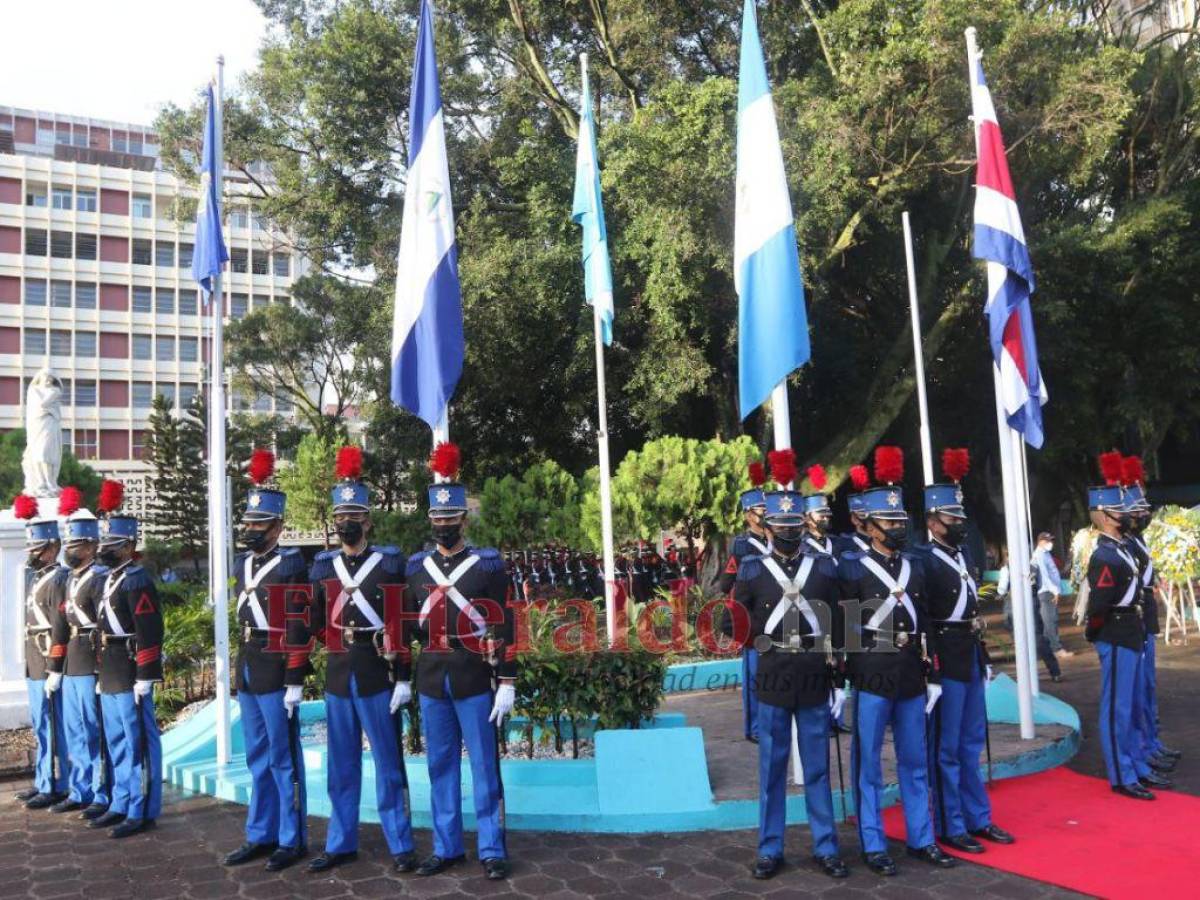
{"x":43,"y":435}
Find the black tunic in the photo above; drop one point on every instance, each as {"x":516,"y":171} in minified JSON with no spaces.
{"x":954,"y":643}
{"x":75,"y":621}
{"x":1147,"y":576}
{"x":131,"y":630}
{"x":274,"y":657}
{"x":1112,"y":578}
{"x":45,"y":592}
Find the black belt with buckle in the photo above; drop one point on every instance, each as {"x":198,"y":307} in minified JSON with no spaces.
{"x":106,"y":638}
{"x":804,"y":643}
{"x":82,"y":631}
{"x":359,"y":635}
{"x":1125,"y":612}
{"x":970,"y":625}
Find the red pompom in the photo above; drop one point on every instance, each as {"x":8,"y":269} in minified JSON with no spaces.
{"x":783,"y":466}
{"x":1110,"y":467}
{"x":261,"y":465}
{"x":69,"y":500}
{"x":956,"y":463}
{"x":758,"y":474}
{"x":445,"y":459}
{"x":817,"y":477}
{"x":111,"y":495}
{"x":889,"y":464}
{"x":860,"y":478}
{"x":1132,"y":471}
{"x":24,"y":506}
{"x":349,"y":462}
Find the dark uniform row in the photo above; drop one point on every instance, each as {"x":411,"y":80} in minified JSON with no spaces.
{"x":639,"y":571}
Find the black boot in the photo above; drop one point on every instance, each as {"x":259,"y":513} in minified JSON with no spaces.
{"x":767,"y":867}
{"x":107,"y":820}
{"x":284,"y":857}
{"x":246,"y":852}
{"x":130,"y":827}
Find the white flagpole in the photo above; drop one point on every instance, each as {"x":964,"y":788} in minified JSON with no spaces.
{"x":217,"y":498}
{"x":918,"y":353}
{"x":441,"y":433}
{"x":606,"y":525}
{"x":1027,"y":531}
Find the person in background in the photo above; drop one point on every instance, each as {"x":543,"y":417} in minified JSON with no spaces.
{"x":1003,"y":589}
{"x":1049,"y":590}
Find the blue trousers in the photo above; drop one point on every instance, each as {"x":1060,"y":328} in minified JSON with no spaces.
{"x":749,"y":698}
{"x":872,"y":715}
{"x":123,"y":737}
{"x":89,"y":777}
{"x":449,"y":723}
{"x":276,"y":815}
{"x":1118,"y":685}
{"x":347,"y":719}
{"x":774,"y":748}
{"x":41,"y":709}
{"x":957,"y":737}
{"x":1151,"y":745}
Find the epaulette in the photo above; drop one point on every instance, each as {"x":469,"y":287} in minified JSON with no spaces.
{"x":490,"y":559}
{"x":291,"y":561}
{"x":393,"y":559}
{"x":136,"y":578}
{"x":750,"y":567}
{"x":322,"y":566}
{"x":99,"y":570}
{"x":827,"y":565}
{"x":416,"y":563}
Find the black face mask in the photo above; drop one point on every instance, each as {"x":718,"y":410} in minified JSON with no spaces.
{"x":1139,"y":524}
{"x":787,"y":540}
{"x":895,"y":538}
{"x":956,"y":532}
{"x":447,"y":536}
{"x":1125,"y":524}
{"x":254,"y":540}
{"x":111,"y":558}
{"x":820,"y":525}
{"x":74,"y":559}
{"x":350,"y":533}
{"x":35,"y":560}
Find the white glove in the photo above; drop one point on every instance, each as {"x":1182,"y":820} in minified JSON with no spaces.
{"x":836,"y":702}
{"x":293,"y":694}
{"x":988,"y":674}
{"x":506,"y":696}
{"x":401,"y":695}
{"x":142,"y":689}
{"x":53,"y":682}
{"x":933,"y":693}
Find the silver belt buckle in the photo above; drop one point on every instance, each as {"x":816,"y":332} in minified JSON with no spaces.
{"x":794,"y":640}
{"x":348,"y":635}
{"x":902,"y":639}
{"x":763,"y":643}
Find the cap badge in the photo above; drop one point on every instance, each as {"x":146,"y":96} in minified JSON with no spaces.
{"x":786,"y":504}
{"x":893,"y":499}
{"x":443,"y":496}
{"x":255,"y":500}
{"x":347,"y":493}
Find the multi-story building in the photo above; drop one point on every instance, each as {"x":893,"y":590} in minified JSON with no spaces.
{"x":1153,"y":20}
{"x":96,"y":284}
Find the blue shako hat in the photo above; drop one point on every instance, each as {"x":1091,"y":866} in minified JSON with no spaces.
{"x":350,"y":494}
{"x":945,"y":498}
{"x":82,"y":526}
{"x":120,"y":528}
{"x":884,"y":502}
{"x":447,"y":497}
{"x":784,"y":507}
{"x":43,"y":532}
{"x":263,"y":503}
{"x":752,"y":498}
{"x":1110,"y":495}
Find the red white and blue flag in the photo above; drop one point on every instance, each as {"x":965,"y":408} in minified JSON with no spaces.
{"x":1000,"y":240}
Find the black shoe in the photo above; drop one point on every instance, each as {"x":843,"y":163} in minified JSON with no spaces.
{"x":963,"y":843}
{"x":327,"y":861}
{"x":1155,"y":781}
{"x":1136,"y":791}
{"x":26,"y":795}
{"x":284,"y":857}
{"x":833,"y":866}
{"x":107,"y":820}
{"x":880,"y":863}
{"x":405,"y":862}
{"x":767,"y":867}
{"x":42,"y":801}
{"x":495,"y":869}
{"x":246,"y":852}
{"x":995,"y":834}
{"x":131,"y":827}
{"x":95,"y":811}
{"x":1162,"y":765}
{"x":1170,"y":754}
{"x":932,"y":854}
{"x":435,"y":864}
{"x":66,"y":806}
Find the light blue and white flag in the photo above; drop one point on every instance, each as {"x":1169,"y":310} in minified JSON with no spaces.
{"x":772,"y":322}
{"x":588,"y":212}
{"x":427,"y":328}
{"x":210,"y":252}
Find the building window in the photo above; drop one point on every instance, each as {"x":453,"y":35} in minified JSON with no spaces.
{"x":35,"y":342}
{"x":189,"y":349}
{"x":35,"y":293}
{"x":60,"y":294}
{"x":187,"y":303}
{"x":262,"y":403}
{"x":137,"y":446}
{"x":283,"y":405}
{"x":85,"y":246}
{"x":35,"y":241}
{"x":61,"y":198}
{"x":261,"y":301}
{"x":187,"y":393}
{"x":238,"y":260}
{"x":85,"y":443}
{"x":85,"y":200}
{"x":135,"y":145}
{"x":85,"y":392}
{"x":120,"y":143}
{"x":238,"y":304}
{"x":143,"y":394}
{"x":142,"y":347}
{"x":281,"y":264}
{"x":167,"y":392}
{"x":258,"y":264}
{"x":67,"y":398}
{"x":60,"y":342}
{"x":185,"y":256}
{"x":143,"y":300}
{"x":143,"y":252}
{"x":81,"y":138}
{"x":164,"y":349}
{"x":63,"y":137}
{"x":85,"y":344}
{"x":142,"y":207}
{"x":164,"y":254}
{"x":85,"y":296}
{"x":45,"y":136}
{"x":62,"y":245}
{"x":164,"y":301}
{"x":240,"y":402}
{"x":239,"y":218}
{"x":36,"y":196}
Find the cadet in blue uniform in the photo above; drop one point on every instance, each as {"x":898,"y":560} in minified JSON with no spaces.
{"x":75,"y":629}
{"x":751,"y":542}
{"x":45,"y":587}
{"x":958,"y":726}
{"x":857,"y":539}
{"x":364,"y":684}
{"x":131,"y":635}
{"x":456,"y":606}
{"x":790,"y":594}
{"x":271,"y":664}
{"x":885,"y":627}
{"x":818,"y":516}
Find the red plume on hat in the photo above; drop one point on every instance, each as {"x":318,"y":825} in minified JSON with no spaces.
{"x":261,"y":465}
{"x":1132,"y":471}
{"x":1110,"y":467}
{"x":24,"y":506}
{"x":860,"y":478}
{"x":758,"y":474}
{"x":349,"y":464}
{"x":111,"y":495}
{"x":783,"y":466}
{"x":817,"y":477}
{"x":445,"y":460}
{"x":889,"y":464}
{"x":69,"y":500}
{"x":956,"y":463}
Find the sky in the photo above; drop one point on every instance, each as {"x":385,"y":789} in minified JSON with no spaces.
{"x":122,"y":60}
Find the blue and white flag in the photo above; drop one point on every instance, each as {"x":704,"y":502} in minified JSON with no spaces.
{"x":772,"y":322}
{"x":427,"y":328}
{"x":588,"y":212}
{"x":210,"y":252}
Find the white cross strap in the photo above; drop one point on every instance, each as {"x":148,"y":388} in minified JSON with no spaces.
{"x":824,"y":546}
{"x":793,"y":596}
{"x":43,"y":624}
{"x":1131,"y":590}
{"x":863,"y":545}
{"x":111,"y":584}
{"x":1148,"y":572}
{"x":447,"y":583}
{"x":966,"y":584}
{"x":249,"y":595}
{"x":351,"y":590}
{"x":74,"y":586}
{"x":897,"y":592}
{"x":756,"y":544}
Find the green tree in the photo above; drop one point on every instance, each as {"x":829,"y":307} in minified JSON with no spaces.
{"x":308,"y":482}
{"x":540,"y":507}
{"x":161,"y":451}
{"x":175,"y":449}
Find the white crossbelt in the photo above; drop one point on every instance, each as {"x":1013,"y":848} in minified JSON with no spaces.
{"x":74,"y":586}
{"x":966,"y":584}
{"x":757,"y":544}
{"x":824,"y":546}
{"x":1131,"y":591}
{"x":897,"y":592}
{"x":110,"y":614}
{"x":793,"y":596}
{"x":31,"y":602}
{"x":1148,"y":573}
{"x":862,"y":544}
{"x":447,"y":583}
{"x":352,"y":593}
{"x":249,"y":595}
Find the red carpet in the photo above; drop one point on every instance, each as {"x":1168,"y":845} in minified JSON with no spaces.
{"x":1073,"y":831}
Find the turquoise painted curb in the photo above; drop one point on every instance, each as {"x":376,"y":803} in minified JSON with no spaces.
{"x":650,"y":779}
